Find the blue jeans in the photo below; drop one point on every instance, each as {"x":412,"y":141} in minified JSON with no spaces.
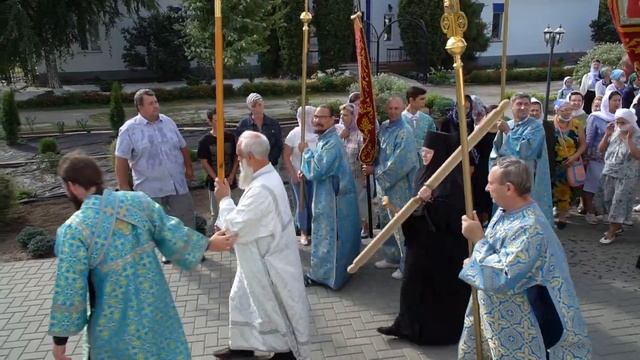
{"x":303,"y":215}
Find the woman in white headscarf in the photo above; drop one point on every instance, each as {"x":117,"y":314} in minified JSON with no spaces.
{"x":292,"y":159}
{"x":535,"y":111}
{"x":621,"y":148}
{"x":596,"y":127}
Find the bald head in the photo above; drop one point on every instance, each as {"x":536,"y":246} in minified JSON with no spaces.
{"x":394,"y":108}
{"x":255,"y":144}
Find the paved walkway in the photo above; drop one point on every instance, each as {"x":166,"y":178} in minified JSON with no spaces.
{"x":344,"y":322}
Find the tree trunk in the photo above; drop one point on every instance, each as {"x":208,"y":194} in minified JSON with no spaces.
{"x":52,"y":70}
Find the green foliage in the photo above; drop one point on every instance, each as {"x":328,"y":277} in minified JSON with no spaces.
{"x":441,"y":107}
{"x":384,"y":87}
{"x":610,"y":54}
{"x":245,"y":30}
{"x":41,"y":246}
{"x":9,"y":117}
{"x":334,"y":30}
{"x":289,"y":34}
{"x":193,"y":154}
{"x":292,"y":87}
{"x":602,"y":28}
{"x":526,"y":75}
{"x":49,"y":162}
{"x":60,"y":127}
{"x":48,"y":145}
{"x":7,"y":197}
{"x":116,"y":110}
{"x":429,"y":52}
{"x":83,"y":124}
{"x":28,"y":234}
{"x":432,"y":98}
{"x":30,"y":121}
{"x":36,"y":31}
{"x":163,"y":43}
{"x":441,"y":78}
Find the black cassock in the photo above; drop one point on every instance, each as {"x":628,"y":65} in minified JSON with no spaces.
{"x":433,"y":300}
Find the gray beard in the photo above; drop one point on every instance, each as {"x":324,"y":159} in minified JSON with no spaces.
{"x":246,"y":175}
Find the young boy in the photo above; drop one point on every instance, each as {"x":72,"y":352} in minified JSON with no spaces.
{"x":207,"y":153}
{"x":419,"y":121}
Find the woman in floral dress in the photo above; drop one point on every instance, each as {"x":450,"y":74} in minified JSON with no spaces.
{"x":570,"y":144}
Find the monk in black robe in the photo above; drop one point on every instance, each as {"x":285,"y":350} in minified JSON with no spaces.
{"x":433,"y":300}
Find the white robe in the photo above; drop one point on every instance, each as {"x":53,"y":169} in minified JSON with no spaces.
{"x":268,"y":307}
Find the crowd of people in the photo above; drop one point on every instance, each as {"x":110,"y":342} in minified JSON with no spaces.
{"x":527,"y":174}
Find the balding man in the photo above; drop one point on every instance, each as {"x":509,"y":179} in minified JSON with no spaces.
{"x":268,"y":308}
{"x":395,"y":171}
{"x":526,"y":297}
{"x":259,"y":122}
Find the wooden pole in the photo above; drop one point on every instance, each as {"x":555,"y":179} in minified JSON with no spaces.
{"x":505,"y":40}
{"x":432,"y":183}
{"x":305,"y":17}
{"x":219,"y":90}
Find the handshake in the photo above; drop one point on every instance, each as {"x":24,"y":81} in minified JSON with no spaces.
{"x":222,"y":241}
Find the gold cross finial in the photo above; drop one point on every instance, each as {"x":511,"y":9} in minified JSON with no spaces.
{"x":453,"y":22}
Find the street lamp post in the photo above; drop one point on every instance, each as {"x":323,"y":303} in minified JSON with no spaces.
{"x":380,"y":34}
{"x":551,"y":39}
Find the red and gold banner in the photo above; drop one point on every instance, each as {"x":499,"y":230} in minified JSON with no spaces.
{"x":366,"y":120}
{"x":626,"y":18}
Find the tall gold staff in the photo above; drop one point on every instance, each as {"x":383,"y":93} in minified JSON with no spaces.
{"x":305,"y":17}
{"x":454,"y":23}
{"x":505,"y":39}
{"x":219,"y":90}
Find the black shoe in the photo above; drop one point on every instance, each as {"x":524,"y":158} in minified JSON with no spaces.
{"x":165,"y":260}
{"x":203,"y":259}
{"x":228,"y":353}
{"x":283,"y":356}
{"x":561,"y":224}
{"x":638,"y":263}
{"x":388,"y":331}
{"x":308,"y":282}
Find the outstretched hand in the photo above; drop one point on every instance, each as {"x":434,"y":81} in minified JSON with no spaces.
{"x":221,"y":241}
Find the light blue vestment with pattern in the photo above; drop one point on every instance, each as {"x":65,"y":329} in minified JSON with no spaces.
{"x":420,"y":123}
{"x":396,"y":169}
{"x":520,"y":251}
{"x":335,"y":229}
{"x":526,"y":141}
{"x":109,"y":245}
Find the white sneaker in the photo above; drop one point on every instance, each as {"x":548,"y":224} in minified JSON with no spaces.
{"x":637,"y":208}
{"x":366,"y":241}
{"x":591,"y":219}
{"x":604,"y":240}
{"x":383,"y":264}
{"x":397,"y":274}
{"x":628,"y":222}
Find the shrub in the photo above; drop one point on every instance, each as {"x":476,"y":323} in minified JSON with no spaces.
{"x":384,"y":86}
{"x":49,"y":162}
{"x":31,"y":121}
{"x":47,"y":145}
{"x":9,"y":117}
{"x":528,"y":75}
{"x":440,"y":77}
{"x":41,"y":246}
{"x":441,"y":107}
{"x":7,"y":197}
{"x":610,"y":54}
{"x":26,"y":236}
{"x":431,"y":100}
{"x":116,"y":111}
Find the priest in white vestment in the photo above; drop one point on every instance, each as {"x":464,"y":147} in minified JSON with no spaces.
{"x":268,"y":307}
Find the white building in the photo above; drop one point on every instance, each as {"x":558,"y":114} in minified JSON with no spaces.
{"x":102,"y":58}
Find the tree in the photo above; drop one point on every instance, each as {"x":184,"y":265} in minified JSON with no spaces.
{"x":244,"y":27}
{"x":290,"y":36}
{"x":269,"y":60}
{"x":334,"y":31}
{"x":163,"y":43}
{"x":9,"y":117}
{"x":116,"y":111}
{"x":602,"y":28}
{"x":432,"y":53}
{"x":35,"y":31}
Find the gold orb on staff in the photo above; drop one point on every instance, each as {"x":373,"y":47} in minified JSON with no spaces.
{"x":454,"y":23}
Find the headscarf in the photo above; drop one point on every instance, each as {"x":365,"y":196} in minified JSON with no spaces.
{"x":353,"y":126}
{"x":353,"y":97}
{"x":470,"y":115}
{"x":617,"y":75}
{"x":561,"y":103}
{"x":604,"y":112}
{"x":443,"y":145}
{"x":629,"y":118}
{"x":308,"y":128}
{"x":536,"y":101}
{"x":478,"y":109}
{"x":564,"y":83}
{"x":252,"y":99}
{"x":594,"y":76}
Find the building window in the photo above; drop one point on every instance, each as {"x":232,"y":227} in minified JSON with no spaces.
{"x":496,"y":23}
{"x":388,"y":18}
{"x":90,"y":41}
